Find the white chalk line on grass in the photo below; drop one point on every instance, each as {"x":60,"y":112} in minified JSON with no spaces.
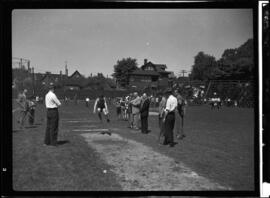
{"x":139,"y":167}
{"x":79,"y":121}
{"x":93,"y":130}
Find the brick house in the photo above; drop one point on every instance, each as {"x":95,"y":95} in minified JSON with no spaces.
{"x":149,"y":75}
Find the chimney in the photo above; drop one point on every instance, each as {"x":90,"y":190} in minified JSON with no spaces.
{"x":33,"y":74}
{"x":28,"y":66}
{"x":61,"y":74}
{"x":66,"y":70}
{"x":145,"y":61}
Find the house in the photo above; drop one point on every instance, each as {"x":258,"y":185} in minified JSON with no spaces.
{"x":48,"y":78}
{"x":149,"y":75}
{"x":74,"y":82}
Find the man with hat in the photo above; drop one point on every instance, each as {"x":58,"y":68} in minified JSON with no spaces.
{"x":52,"y":103}
{"x":169,"y":118}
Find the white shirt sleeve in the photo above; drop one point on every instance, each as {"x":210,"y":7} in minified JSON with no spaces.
{"x":95,"y":105}
{"x":56,"y":101}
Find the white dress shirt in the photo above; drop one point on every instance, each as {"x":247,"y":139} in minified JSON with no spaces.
{"x":51,"y":101}
{"x":171,"y":103}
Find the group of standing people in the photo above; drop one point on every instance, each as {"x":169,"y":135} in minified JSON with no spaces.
{"x":135,"y":110}
{"x":172,"y":106}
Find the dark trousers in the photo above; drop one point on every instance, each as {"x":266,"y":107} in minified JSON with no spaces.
{"x":52,"y":127}
{"x":22,"y":117}
{"x":144,"y":124}
{"x":161,"y":125}
{"x":169,"y":125}
{"x":31,"y":117}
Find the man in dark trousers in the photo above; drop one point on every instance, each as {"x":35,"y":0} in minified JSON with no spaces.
{"x":169,"y":118}
{"x":52,"y":103}
{"x":32,"y":107}
{"x":181,"y":110}
{"x":144,"y":110}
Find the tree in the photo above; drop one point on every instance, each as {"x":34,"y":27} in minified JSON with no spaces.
{"x":122,"y":69}
{"x":204,"y":68}
{"x":238,"y":63}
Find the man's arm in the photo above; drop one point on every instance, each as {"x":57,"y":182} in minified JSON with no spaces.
{"x":95,"y":105}
{"x":166,"y":110}
{"x":56,"y":101}
{"x":106,"y":107}
{"x":137,"y":101}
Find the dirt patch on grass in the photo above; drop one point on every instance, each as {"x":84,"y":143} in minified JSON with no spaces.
{"x":139,"y":167}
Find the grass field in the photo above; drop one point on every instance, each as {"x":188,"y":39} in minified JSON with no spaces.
{"x":218,"y":149}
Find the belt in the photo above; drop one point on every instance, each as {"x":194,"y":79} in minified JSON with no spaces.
{"x":51,"y":109}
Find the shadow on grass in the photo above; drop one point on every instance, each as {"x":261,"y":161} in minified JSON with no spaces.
{"x":61,"y":142}
{"x":30,"y":127}
{"x":16,"y":130}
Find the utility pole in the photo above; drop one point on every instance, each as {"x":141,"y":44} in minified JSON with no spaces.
{"x":183,"y":72}
{"x":33,"y":80}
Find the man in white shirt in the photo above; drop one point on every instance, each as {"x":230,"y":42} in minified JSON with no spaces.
{"x":169,"y":118}
{"x":52,"y":103}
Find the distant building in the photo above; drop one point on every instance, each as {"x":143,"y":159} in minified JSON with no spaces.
{"x":74,"y":82}
{"x":149,"y":75}
{"x":48,"y":78}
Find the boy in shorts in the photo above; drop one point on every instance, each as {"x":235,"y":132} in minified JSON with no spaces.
{"x":101,"y":106}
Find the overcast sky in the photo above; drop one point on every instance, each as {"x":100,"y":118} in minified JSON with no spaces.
{"x":92,"y":40}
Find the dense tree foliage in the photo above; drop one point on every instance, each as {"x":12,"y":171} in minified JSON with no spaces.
{"x":235,"y":63}
{"x":122,"y":69}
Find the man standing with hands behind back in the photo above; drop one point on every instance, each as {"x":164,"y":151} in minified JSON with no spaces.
{"x":52,"y":103}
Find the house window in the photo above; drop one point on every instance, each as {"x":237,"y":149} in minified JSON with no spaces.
{"x":145,"y":80}
{"x":148,"y":68}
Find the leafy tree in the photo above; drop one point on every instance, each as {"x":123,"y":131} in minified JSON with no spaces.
{"x":204,"y":68}
{"x":122,"y":69}
{"x":238,"y":63}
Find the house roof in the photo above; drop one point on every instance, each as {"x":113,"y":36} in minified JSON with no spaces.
{"x":76,"y":73}
{"x":41,"y":77}
{"x":144,"y":72}
{"x":160,"y":68}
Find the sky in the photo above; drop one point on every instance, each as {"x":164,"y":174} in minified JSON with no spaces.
{"x":92,"y":40}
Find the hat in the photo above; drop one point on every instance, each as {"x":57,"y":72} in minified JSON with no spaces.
{"x":51,"y":86}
